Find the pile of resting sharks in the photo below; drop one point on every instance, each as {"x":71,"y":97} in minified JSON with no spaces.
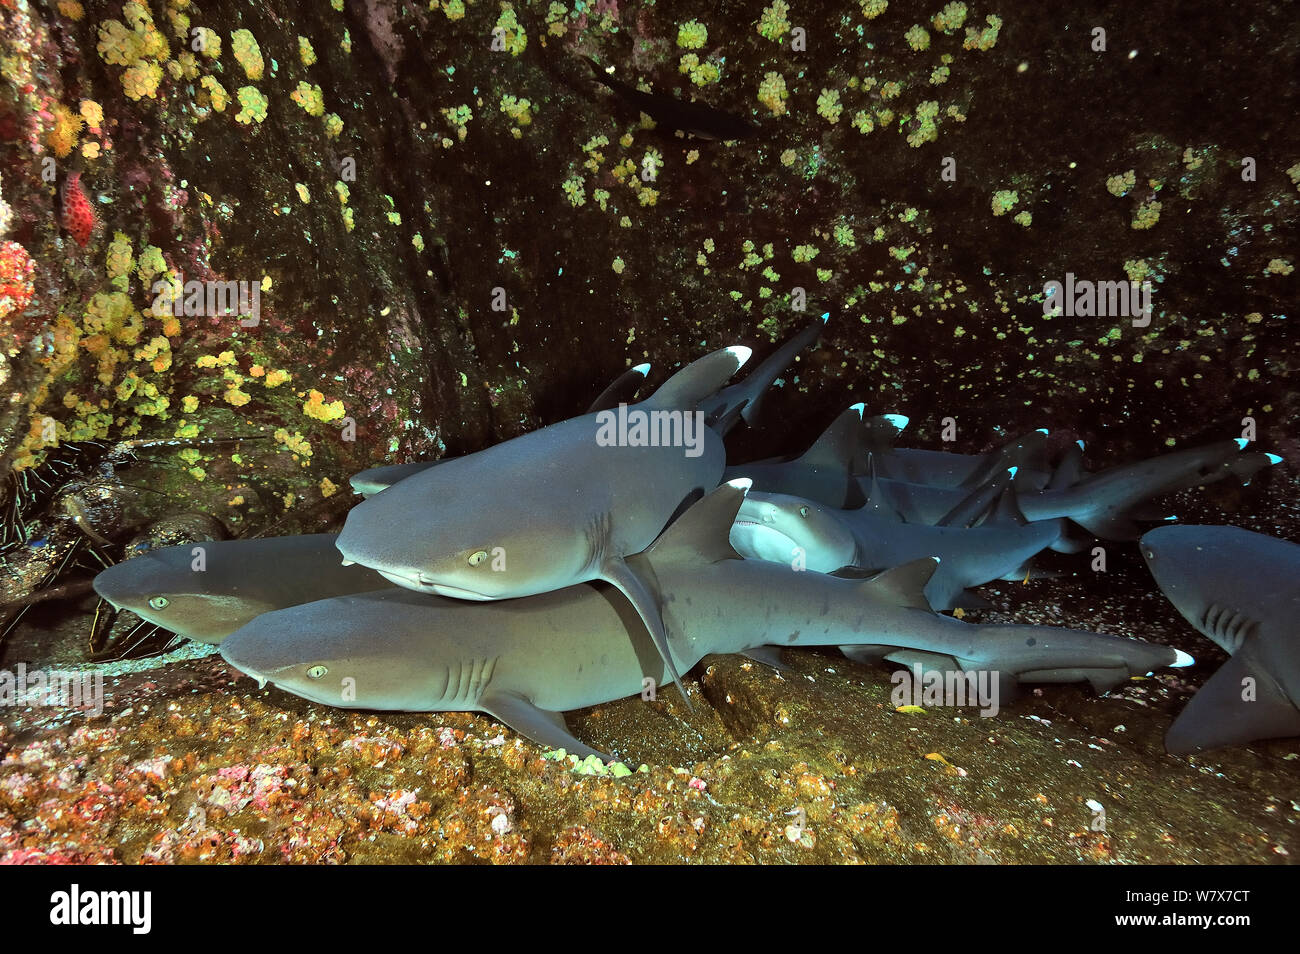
{"x":577,"y":564}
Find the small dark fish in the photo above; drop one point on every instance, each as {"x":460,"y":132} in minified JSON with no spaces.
{"x":696,"y":119}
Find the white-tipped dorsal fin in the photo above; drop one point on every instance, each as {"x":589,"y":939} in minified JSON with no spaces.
{"x":699,"y":379}
{"x":838,"y":445}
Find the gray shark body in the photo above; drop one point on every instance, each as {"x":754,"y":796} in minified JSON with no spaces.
{"x":722,"y":411}
{"x":793,"y":530}
{"x":561,"y":505}
{"x":823,"y":473}
{"x":525,"y":661}
{"x":239,"y":580}
{"x":944,"y":469}
{"x":619,"y":391}
{"x":1241,"y":590}
{"x":1105,"y":504}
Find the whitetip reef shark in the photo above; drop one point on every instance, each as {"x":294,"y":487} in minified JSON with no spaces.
{"x":787,"y":529}
{"x":1241,"y":590}
{"x":722,"y":411}
{"x":525,"y":661}
{"x":560,"y":505}
{"x":1105,"y":503}
{"x":238,"y":580}
{"x":944,"y":469}
{"x":621,"y":390}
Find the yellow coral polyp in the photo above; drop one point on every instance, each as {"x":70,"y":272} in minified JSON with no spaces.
{"x":62,"y":137}
{"x":217,"y":94}
{"x":151,"y":263}
{"x":141,"y":81}
{"x":309,"y":97}
{"x":248,"y":53}
{"x":276,"y":378}
{"x":315,"y":407}
{"x":207,"y":43}
{"x":294,"y":442}
{"x":92,"y":113}
{"x":119,"y":258}
{"x":253,"y":105}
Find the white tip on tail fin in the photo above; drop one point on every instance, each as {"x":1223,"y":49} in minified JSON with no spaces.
{"x":1273,"y":458}
{"x":1241,"y":442}
{"x":900,"y":421}
{"x":642,"y":369}
{"x":1013,"y":471}
{"x":826,"y":317}
{"x":860,"y":407}
{"x":741,"y":484}
{"x":1181,"y":659}
{"x":1043,"y":430}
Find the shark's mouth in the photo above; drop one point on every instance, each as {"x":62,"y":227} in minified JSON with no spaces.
{"x":413,"y":580}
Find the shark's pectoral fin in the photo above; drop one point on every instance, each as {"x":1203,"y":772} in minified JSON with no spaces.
{"x":867,"y":655}
{"x":1218,"y":714}
{"x":928,"y":661}
{"x":768,"y":656}
{"x":538,"y":725}
{"x":643,"y":600}
{"x":903,"y":585}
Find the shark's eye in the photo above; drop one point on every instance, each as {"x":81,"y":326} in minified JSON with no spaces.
{"x":803,"y":511}
{"x":477,"y":557}
{"x":315,"y":672}
{"x":158,"y":602}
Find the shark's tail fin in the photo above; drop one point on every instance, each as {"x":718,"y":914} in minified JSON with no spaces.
{"x":621,"y":390}
{"x":1027,"y":453}
{"x":1070,"y":470}
{"x":690,"y":386}
{"x":745,"y":398}
{"x":978,"y":501}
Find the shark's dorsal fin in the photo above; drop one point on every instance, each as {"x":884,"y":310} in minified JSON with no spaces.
{"x":701,"y":534}
{"x":839,"y":445}
{"x":880,"y":432}
{"x":903,"y":585}
{"x":699,"y":379}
